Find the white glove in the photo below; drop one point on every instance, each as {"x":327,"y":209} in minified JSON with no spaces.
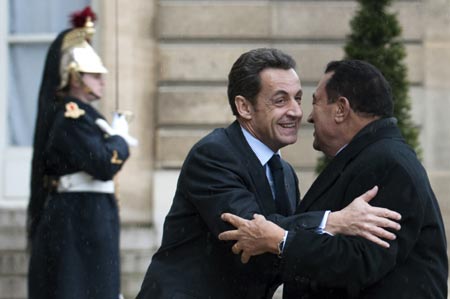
{"x":105,"y":127}
{"x":120,"y":124}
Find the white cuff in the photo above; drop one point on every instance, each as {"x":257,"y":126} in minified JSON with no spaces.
{"x":321,"y":228}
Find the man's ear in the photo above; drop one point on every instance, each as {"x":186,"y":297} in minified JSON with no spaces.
{"x":244,"y":107}
{"x":342,"y":109}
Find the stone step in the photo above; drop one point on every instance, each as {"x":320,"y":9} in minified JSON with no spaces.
{"x":135,"y":261}
{"x":12,"y":238}
{"x":137,"y":237}
{"x":13,"y":233}
{"x":13,"y":216}
{"x":14,"y":265}
{"x":131,"y":238}
{"x":137,"y":247}
{"x":131,"y":284}
{"x":13,"y":287}
{"x":132,"y":261}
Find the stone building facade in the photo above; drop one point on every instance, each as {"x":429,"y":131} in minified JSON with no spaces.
{"x":173,"y":61}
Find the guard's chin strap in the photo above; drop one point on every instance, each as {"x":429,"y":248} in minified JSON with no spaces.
{"x":86,"y":88}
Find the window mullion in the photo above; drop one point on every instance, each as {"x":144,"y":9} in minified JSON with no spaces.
{"x":31,"y":38}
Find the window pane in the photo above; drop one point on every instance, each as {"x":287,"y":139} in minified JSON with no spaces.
{"x":41,"y":15}
{"x":26,"y":60}
{"x":26,"y":65}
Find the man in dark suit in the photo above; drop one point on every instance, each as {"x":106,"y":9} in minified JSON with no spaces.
{"x":352,"y":117}
{"x":228,"y":171}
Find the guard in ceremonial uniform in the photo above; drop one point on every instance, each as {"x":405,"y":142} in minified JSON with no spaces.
{"x":73,"y":221}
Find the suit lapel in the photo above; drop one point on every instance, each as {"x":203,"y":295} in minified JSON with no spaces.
{"x":254,"y":167}
{"x":327,"y":178}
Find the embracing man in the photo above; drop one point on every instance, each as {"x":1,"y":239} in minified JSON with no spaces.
{"x":238,"y":170}
{"x":353,"y":123}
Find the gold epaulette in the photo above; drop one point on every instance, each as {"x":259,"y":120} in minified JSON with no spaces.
{"x":73,"y":111}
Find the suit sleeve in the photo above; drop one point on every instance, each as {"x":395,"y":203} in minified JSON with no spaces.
{"x":88,"y":148}
{"x":215,"y":181}
{"x":354,"y":263}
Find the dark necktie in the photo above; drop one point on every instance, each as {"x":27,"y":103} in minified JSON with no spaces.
{"x":281,"y":197}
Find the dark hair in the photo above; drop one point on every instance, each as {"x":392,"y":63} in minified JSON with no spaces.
{"x":46,"y":111}
{"x":362,"y":84}
{"x":244,"y":78}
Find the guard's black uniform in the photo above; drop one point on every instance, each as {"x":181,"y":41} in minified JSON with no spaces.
{"x":75,"y":248}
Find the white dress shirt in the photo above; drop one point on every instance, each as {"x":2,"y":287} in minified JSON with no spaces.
{"x":264,"y":153}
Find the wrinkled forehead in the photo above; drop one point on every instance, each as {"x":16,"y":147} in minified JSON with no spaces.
{"x":274,"y":80}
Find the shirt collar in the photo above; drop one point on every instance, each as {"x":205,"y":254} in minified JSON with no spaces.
{"x":341,"y":149}
{"x":262,"y":151}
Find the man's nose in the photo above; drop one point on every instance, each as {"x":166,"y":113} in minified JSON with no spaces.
{"x":295,"y":109}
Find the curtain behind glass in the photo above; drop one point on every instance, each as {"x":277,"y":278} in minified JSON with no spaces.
{"x":26,"y":60}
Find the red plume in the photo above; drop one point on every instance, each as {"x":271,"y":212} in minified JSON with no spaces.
{"x":78,"y":18}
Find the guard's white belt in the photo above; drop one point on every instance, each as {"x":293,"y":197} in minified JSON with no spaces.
{"x":83,"y":182}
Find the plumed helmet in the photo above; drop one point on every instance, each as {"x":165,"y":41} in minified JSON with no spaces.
{"x":78,"y":56}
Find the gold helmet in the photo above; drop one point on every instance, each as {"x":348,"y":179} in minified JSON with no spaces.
{"x":78,"y":56}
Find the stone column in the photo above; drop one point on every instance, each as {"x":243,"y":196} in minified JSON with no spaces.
{"x":136,"y":78}
{"x":436,"y":140}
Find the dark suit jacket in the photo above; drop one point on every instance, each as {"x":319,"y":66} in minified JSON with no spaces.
{"x":220,"y":174}
{"x":415,"y":265}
